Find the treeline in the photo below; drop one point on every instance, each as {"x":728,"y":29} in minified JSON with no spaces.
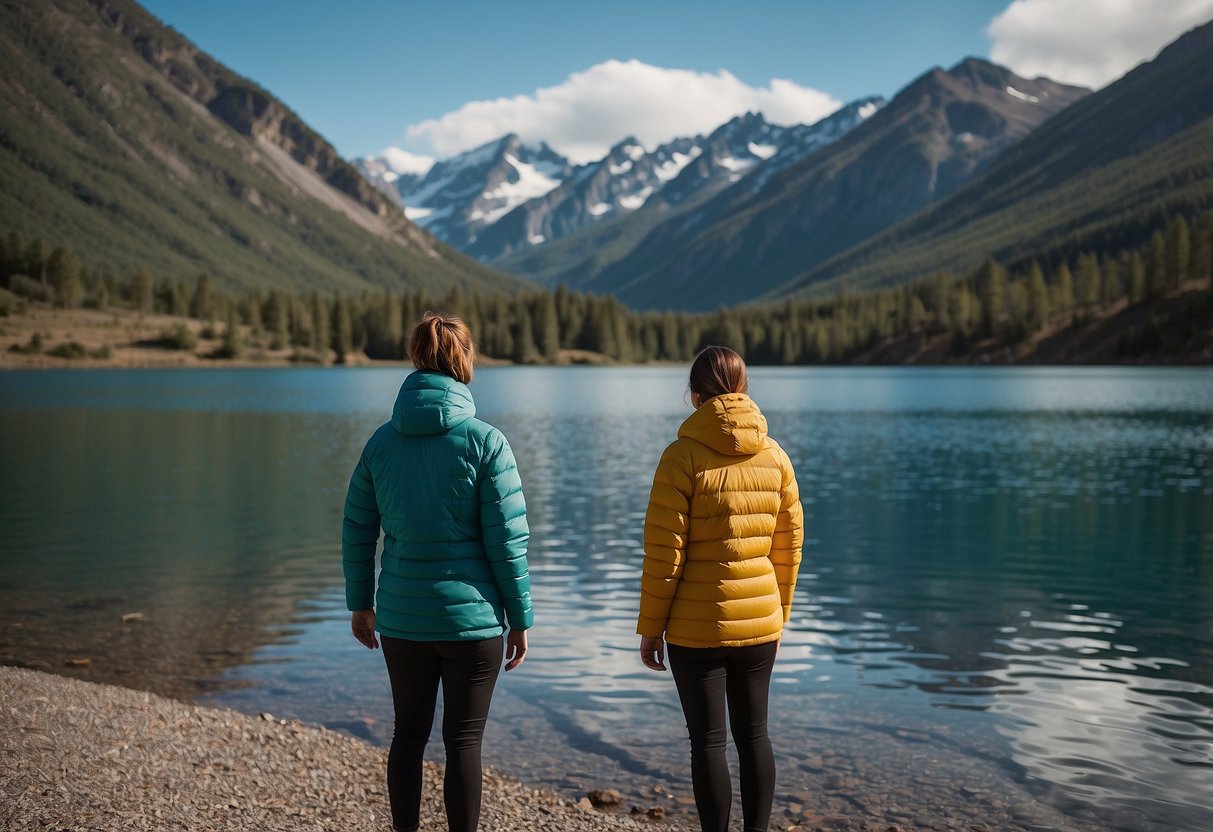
{"x":991,"y":307}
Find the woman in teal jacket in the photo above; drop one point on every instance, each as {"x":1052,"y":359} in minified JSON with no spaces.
{"x":444,"y":488}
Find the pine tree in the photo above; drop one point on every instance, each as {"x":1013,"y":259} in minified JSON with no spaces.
{"x":63,"y":272}
{"x":525,"y":351}
{"x":625,"y":349}
{"x":202,"y":306}
{"x":991,"y":288}
{"x":601,"y":329}
{"x":1088,"y":283}
{"x":322,"y":335}
{"x":14,"y":255}
{"x":1137,"y":278}
{"x":393,"y":327}
{"x":1038,"y":298}
{"x":1156,"y":265}
{"x":724,"y":331}
{"x":36,"y":254}
{"x":549,"y":327}
{"x":141,"y":288}
{"x":1113,"y":288}
{"x":279,"y":321}
{"x":960,"y":308}
{"x":1063,"y":290}
{"x":233,"y":341}
{"x":1202,"y":247}
{"x":1179,"y":250}
{"x":252,"y":313}
{"x":937,"y":302}
{"x":343,"y":330}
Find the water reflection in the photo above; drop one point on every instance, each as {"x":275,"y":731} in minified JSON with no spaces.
{"x":1006,"y":613}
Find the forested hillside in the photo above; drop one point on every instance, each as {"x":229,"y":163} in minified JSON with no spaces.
{"x":1102,"y":175}
{"x":127,"y":143}
{"x":1153,"y":303}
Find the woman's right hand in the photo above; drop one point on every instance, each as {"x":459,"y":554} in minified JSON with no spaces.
{"x":652,"y":652}
{"x":515,"y":649}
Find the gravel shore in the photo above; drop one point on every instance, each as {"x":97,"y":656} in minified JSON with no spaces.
{"x":84,"y":756}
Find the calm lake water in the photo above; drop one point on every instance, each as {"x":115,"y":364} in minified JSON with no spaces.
{"x":1005,"y":614}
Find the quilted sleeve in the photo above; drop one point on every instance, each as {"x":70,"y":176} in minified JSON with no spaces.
{"x":504,"y":530}
{"x":359,"y":536}
{"x":665,"y":538}
{"x":789,"y":536}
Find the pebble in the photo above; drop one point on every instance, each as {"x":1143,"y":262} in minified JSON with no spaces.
{"x":605,"y":797}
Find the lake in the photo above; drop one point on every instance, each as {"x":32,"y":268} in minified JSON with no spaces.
{"x":1005,"y":613}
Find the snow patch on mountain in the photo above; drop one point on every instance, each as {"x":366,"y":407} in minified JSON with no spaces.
{"x":673,"y":166}
{"x":532,"y":181}
{"x":1022,"y":96}
{"x":763,"y":151}
{"x":633,"y":201}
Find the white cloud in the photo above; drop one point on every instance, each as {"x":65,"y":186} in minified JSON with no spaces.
{"x":401,"y":161}
{"x":1089,"y":42}
{"x":596,"y":108}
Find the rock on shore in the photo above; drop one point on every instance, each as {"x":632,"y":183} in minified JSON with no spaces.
{"x":78,"y":755}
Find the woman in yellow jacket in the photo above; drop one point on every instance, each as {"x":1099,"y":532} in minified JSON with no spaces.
{"x":722,"y":541}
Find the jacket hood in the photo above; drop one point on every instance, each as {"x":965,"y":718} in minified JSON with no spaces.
{"x":729,"y":424}
{"x":431,"y":403}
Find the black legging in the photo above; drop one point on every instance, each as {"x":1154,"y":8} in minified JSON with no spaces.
{"x":468,"y":671}
{"x":704,"y":676}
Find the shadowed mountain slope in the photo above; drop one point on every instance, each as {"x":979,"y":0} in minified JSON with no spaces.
{"x":126,"y":142}
{"x":931,"y":139}
{"x":1103,"y":174}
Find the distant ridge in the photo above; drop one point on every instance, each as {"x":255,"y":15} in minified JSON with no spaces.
{"x":932,"y":138}
{"x":1104,"y":174}
{"x":744,"y":152}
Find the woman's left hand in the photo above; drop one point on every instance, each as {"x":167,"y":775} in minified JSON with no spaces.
{"x":362,"y":622}
{"x":652,"y":652}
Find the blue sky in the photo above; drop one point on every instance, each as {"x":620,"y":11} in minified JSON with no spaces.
{"x":364,"y":71}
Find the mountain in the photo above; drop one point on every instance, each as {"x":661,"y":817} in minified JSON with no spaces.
{"x":1101,"y":175}
{"x":745,"y":145}
{"x":395,"y":172}
{"x":459,"y":197}
{"x":620,"y":182}
{"x":124,"y":141}
{"x":932,"y":138}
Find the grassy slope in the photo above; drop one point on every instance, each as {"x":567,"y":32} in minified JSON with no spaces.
{"x":102,"y":151}
{"x":1102,"y":173}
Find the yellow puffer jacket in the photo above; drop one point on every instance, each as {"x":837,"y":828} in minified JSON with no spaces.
{"x":723,"y":532}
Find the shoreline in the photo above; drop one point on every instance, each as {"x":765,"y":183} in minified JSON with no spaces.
{"x":87,"y":755}
{"x":45,"y":338}
{"x":79,"y":754}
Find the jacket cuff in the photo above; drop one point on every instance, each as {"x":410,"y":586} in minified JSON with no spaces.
{"x":354,"y":604}
{"x":650,"y":628}
{"x":520,"y":622}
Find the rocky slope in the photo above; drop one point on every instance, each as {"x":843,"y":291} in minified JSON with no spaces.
{"x":124,"y":140}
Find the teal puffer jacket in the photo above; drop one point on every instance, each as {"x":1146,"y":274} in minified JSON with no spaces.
{"x":444,"y":487}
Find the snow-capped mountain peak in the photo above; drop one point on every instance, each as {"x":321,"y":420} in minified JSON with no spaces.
{"x":506,"y":195}
{"x":457,"y":197}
